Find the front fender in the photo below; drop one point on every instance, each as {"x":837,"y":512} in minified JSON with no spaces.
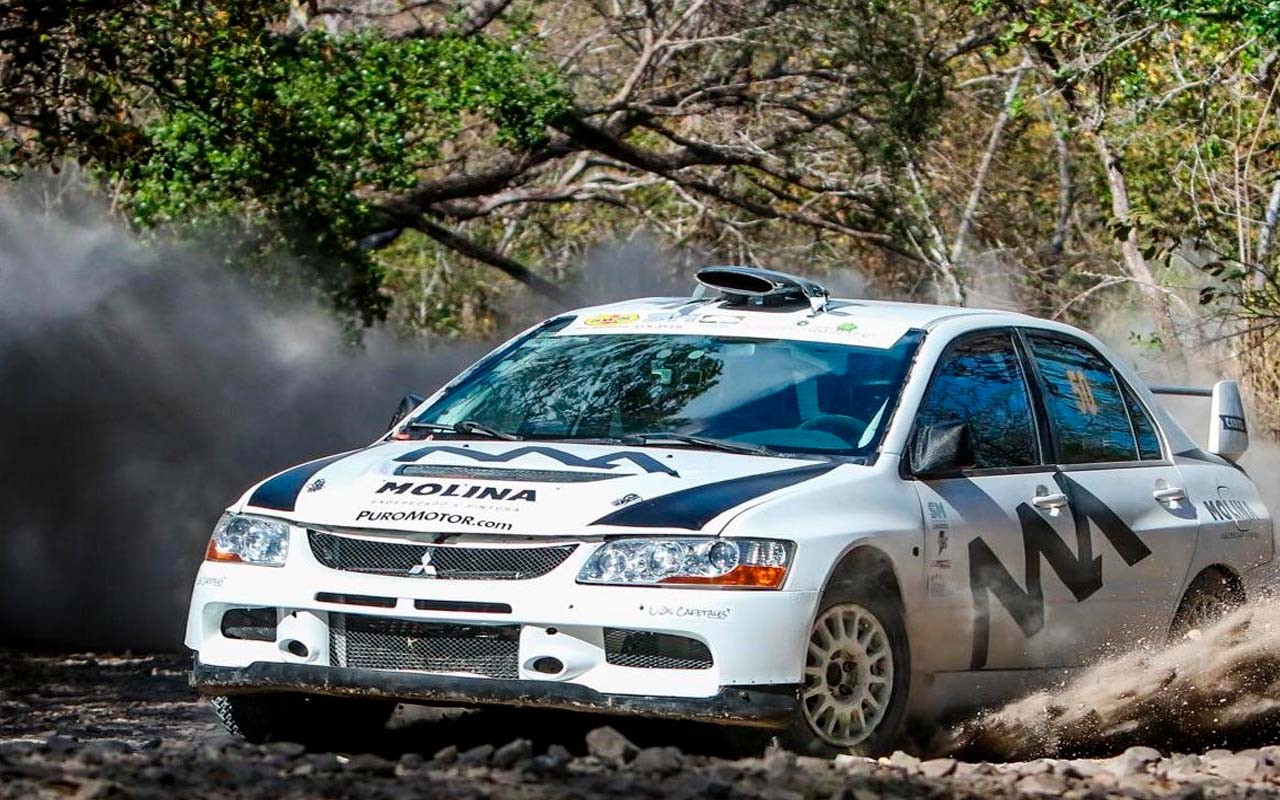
{"x":829,"y":518}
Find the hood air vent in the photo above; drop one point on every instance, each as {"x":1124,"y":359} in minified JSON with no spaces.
{"x":501,"y":474}
{"x":762,"y":287}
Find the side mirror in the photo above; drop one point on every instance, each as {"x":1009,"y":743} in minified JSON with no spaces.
{"x":940,"y":449}
{"x":407,"y":404}
{"x":1228,"y":434}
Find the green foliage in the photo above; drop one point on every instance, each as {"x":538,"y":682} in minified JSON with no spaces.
{"x":1222,"y":18}
{"x":206,"y":111}
{"x":305,"y":126}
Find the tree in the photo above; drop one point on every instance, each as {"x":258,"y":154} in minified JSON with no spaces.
{"x":213,"y":111}
{"x":345,"y":126}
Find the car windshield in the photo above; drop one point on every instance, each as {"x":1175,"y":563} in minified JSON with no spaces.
{"x":792,"y":397}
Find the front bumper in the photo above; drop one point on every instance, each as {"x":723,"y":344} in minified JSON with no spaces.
{"x":760,"y":706}
{"x":754,"y":638}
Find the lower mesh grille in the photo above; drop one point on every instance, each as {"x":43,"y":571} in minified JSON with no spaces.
{"x":376,"y":643}
{"x":648,"y":650}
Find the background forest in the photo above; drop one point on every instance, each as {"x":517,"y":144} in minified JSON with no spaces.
{"x":443,"y":168}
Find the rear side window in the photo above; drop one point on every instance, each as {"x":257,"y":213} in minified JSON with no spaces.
{"x":980,"y":382}
{"x":1084,"y":402}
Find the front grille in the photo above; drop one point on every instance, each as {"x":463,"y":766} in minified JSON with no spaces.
{"x":393,"y":644}
{"x":371,"y":556}
{"x":648,"y":650}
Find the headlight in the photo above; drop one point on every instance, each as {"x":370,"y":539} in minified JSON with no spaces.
{"x":249,"y":540}
{"x":751,"y":563}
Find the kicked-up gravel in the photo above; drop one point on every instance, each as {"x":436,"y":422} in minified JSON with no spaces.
{"x":129,"y":727}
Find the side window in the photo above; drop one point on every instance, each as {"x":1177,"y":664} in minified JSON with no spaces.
{"x":980,"y":382}
{"x":1143,"y":428}
{"x":1084,"y":403}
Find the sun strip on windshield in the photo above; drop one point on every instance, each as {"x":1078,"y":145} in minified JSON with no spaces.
{"x":831,"y":328}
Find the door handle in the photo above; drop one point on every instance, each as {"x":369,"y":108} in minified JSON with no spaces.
{"x":1050,"y":501}
{"x":1171,"y":495}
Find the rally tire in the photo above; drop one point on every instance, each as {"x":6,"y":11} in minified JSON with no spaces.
{"x":311,"y":720}
{"x":1210,"y":597}
{"x":841,"y":675}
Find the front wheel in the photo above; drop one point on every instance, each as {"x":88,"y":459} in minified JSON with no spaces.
{"x":856,"y":675}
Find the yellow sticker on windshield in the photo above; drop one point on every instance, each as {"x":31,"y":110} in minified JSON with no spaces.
{"x":608,"y":320}
{"x":1080,"y":387}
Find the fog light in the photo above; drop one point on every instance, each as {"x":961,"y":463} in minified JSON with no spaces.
{"x":547,"y":665}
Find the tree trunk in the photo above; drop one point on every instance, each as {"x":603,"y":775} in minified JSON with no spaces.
{"x":1135,"y":263}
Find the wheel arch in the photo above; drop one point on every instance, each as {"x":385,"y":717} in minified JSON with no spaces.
{"x":867,"y":565}
{"x":1230,"y":577}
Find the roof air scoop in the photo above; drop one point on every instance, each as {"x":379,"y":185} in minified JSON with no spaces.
{"x":763,"y":286}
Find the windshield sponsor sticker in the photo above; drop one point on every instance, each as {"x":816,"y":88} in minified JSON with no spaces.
{"x":829,"y":327}
{"x":609,"y":320}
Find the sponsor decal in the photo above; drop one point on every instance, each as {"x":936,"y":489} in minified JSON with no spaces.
{"x":1086,"y":403}
{"x":626,"y":499}
{"x":315,"y":485}
{"x":1228,"y":510}
{"x":1081,"y":573}
{"x":847,"y":327}
{"x":459,"y":490}
{"x":447,"y":517}
{"x":720,"y":319}
{"x":608,"y":461}
{"x":610,"y":320}
{"x":689,"y":612}
{"x":1233,"y":423}
{"x":209,"y":580}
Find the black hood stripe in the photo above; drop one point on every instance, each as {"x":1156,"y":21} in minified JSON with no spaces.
{"x":692,"y":509}
{"x":281,"y":492}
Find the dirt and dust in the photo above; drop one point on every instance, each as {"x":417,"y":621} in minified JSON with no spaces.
{"x":1215,"y":687}
{"x":92,"y":726}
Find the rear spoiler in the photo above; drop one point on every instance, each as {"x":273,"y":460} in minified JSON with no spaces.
{"x":1184,"y":391}
{"x":1228,"y":433}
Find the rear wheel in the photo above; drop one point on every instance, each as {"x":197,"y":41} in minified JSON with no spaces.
{"x":855,"y":677}
{"x":312,"y":720}
{"x":1210,"y":597}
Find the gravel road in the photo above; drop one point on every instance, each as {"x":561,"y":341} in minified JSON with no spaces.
{"x":124,"y":727}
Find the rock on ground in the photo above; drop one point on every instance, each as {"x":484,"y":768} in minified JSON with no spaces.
{"x":97,"y":727}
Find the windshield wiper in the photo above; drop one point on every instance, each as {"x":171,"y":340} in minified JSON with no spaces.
{"x":701,"y":441}
{"x":466,"y":426}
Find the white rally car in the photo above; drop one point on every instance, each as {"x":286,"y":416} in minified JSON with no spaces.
{"x":761,"y":507}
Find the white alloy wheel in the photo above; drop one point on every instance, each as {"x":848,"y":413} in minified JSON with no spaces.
{"x":848,"y":675}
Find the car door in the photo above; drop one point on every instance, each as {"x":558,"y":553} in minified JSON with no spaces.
{"x":1128,"y":500}
{"x":988,"y":528}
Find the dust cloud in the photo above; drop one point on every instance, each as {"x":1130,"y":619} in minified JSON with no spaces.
{"x":1216,"y":687}
{"x":141,"y":391}
{"x":144,"y":388}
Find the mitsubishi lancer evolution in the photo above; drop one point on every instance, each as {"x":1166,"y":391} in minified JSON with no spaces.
{"x":757,"y":506}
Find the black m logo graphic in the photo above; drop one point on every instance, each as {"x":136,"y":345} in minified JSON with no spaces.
{"x":1081,"y":571}
{"x":608,"y":461}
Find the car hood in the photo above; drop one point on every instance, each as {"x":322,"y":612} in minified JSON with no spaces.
{"x":526,"y":488}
